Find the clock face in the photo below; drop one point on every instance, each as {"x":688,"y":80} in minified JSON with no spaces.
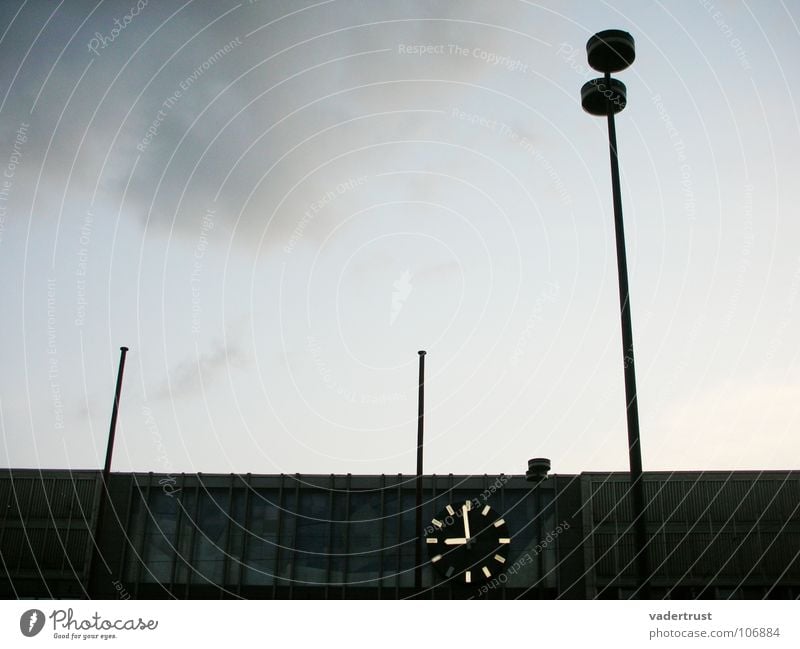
{"x":469,"y":542}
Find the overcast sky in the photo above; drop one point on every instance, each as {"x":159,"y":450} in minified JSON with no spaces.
{"x":276,"y":204}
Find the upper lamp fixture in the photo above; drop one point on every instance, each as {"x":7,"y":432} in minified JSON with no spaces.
{"x":609,"y":51}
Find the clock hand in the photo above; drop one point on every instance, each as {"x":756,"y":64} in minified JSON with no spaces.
{"x":455,"y":541}
{"x":466,"y":521}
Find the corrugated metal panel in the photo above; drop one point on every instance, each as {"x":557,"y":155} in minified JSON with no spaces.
{"x":31,"y":553}
{"x":609,"y":500}
{"x":45,"y":522}
{"x":614,"y":555}
{"x":76,"y":544}
{"x":677,"y":557}
{"x":38,"y":506}
{"x":5,"y":495}
{"x":11,"y":550}
{"x":680,"y":499}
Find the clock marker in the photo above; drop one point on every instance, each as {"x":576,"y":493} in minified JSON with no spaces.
{"x":499,"y":522}
{"x":431,"y":539}
{"x":486,"y":572}
{"x":486,"y":510}
{"x":436,"y":558}
{"x":450,"y":571}
{"x":468,"y":505}
{"x":450,"y":510}
{"x":497,"y":557}
{"x":468,"y":577}
{"x":437,"y":522}
{"x":504,"y":540}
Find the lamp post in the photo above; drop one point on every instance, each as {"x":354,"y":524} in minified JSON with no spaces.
{"x":611,"y":51}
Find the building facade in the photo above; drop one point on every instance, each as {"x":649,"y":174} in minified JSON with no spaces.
{"x":710,"y":534}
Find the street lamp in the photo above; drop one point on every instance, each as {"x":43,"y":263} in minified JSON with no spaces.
{"x":611,"y":51}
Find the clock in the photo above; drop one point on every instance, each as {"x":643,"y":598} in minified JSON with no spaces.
{"x":468,"y":542}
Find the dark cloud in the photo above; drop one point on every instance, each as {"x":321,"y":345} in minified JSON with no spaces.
{"x":194,"y":375}
{"x":199,"y":98}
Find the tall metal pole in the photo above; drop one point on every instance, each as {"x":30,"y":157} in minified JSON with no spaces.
{"x":632,"y":408}
{"x":420,"y":419}
{"x":106,"y":475}
{"x":610,"y":51}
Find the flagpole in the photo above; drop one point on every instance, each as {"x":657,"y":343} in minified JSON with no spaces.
{"x":105,"y":476}
{"x":420,"y":420}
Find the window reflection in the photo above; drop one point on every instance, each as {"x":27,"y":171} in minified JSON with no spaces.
{"x":236,"y":535}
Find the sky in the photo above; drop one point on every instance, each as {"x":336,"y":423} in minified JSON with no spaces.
{"x":275,"y":205}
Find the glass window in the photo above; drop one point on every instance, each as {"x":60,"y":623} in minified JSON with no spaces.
{"x":365,"y":521}
{"x":390,"y":555}
{"x":312,"y":540}
{"x":135,"y":542}
{"x":340,"y":530}
{"x":364,"y":569}
{"x":286,"y":537}
{"x":365,"y":538}
{"x":408,"y":536}
{"x":236,"y":536}
{"x":209,"y":537}
{"x":186,"y":528}
{"x":262,"y":536}
{"x":313,"y":522}
{"x":159,"y":550}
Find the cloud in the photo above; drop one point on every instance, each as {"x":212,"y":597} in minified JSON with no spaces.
{"x":192,"y":376}
{"x":261,"y":127}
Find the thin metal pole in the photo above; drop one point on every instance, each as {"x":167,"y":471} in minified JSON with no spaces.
{"x":420,"y":420}
{"x":105,"y":476}
{"x":632,"y":408}
{"x":115,"y":410}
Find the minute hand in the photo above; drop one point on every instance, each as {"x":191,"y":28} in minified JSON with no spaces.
{"x":465,"y":514}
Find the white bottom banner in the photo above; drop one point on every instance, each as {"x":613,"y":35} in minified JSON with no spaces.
{"x":400,"y":624}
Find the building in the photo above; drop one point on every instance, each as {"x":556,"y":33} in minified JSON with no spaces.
{"x":711,"y":534}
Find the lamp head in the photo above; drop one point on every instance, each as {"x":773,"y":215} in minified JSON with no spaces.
{"x":598,"y":94}
{"x":611,"y":50}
